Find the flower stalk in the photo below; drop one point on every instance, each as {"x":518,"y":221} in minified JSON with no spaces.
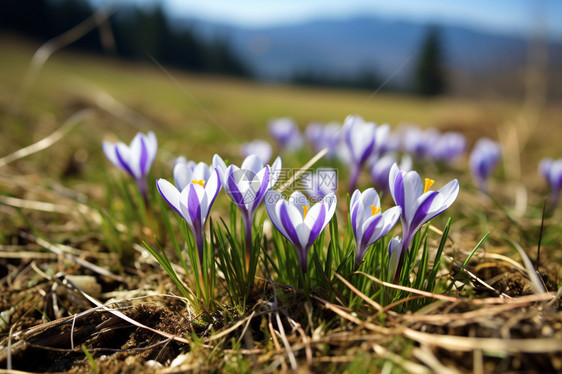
{"x":297,"y":221}
{"x":135,"y":159}
{"x":419,"y":205}
{"x":246,"y":186}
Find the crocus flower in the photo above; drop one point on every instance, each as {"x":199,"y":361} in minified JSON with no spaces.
{"x":395,"y":249}
{"x":369,"y":223}
{"x":297,"y":221}
{"x":260,"y":148}
{"x":419,"y":205}
{"x":186,"y":172}
{"x":413,"y":141}
{"x":361,"y":139}
{"x":418,"y":142}
{"x":323,"y":136}
{"x":380,"y":168}
{"x":136,"y":158}
{"x":322,"y":182}
{"x":181,"y":160}
{"x":392,"y":143}
{"x":448,"y":147}
{"x":483,"y":159}
{"x":551,"y":170}
{"x":286,"y":133}
{"x":246,"y":186}
{"x":193,"y":203}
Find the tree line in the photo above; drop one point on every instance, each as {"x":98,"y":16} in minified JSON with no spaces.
{"x":139,"y":32}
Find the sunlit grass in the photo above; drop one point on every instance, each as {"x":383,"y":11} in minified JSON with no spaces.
{"x":240,"y":106}
{"x":70,"y":81}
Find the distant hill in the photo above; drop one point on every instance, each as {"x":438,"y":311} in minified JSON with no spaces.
{"x":345,"y":47}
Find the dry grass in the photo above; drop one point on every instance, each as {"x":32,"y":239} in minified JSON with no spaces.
{"x":62,"y":288}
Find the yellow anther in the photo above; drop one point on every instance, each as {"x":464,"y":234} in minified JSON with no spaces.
{"x":304,"y":211}
{"x":428,"y":184}
{"x":375,"y":210}
{"x":200,"y":182}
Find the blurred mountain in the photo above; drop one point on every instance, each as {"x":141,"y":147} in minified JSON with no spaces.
{"x":359,"y":52}
{"x":367,"y":44}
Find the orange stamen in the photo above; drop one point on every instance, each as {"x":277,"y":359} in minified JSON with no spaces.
{"x":428,"y":184}
{"x":375,"y":210}
{"x":200,"y":182}
{"x":304,"y":211}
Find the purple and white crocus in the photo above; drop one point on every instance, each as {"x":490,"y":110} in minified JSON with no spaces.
{"x":246,"y":186}
{"x":448,"y":147}
{"x":551,"y":170}
{"x":380,"y":168}
{"x":419,"y":204}
{"x":136,"y":158}
{"x":297,"y":221}
{"x":193,"y":202}
{"x":395,"y":249}
{"x":286,"y":134}
{"x":368,"y":221}
{"x":323,"y":136}
{"x":187,"y":172}
{"x":322,"y":182}
{"x":483,"y":159}
{"x":417,"y":142}
{"x":362,"y":140}
{"x":260,"y":148}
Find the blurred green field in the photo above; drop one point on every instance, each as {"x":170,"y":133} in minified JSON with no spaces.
{"x":235,"y":111}
{"x":241,"y":106}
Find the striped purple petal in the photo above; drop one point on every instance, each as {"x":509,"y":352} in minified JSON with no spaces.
{"x":109,"y":150}
{"x":288,"y":225}
{"x":264,"y":186}
{"x":369,"y":230}
{"x":318,"y":226}
{"x":143,"y":158}
{"x":273,"y":200}
{"x":366,"y":153}
{"x":234,"y":191}
{"x":165,"y":190}
{"x":421,"y":214}
{"x":399,"y":190}
{"x":124,"y":165}
{"x":194,"y":206}
{"x":354,"y":211}
{"x":214,"y":193}
{"x":348,"y":140}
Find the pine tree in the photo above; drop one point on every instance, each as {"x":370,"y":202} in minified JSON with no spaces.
{"x":429,"y":78}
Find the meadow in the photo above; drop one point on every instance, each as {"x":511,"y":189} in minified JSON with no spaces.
{"x":87,"y":270}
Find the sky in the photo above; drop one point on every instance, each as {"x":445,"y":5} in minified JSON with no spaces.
{"x":508,"y":16}
{"x":522,"y":17}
